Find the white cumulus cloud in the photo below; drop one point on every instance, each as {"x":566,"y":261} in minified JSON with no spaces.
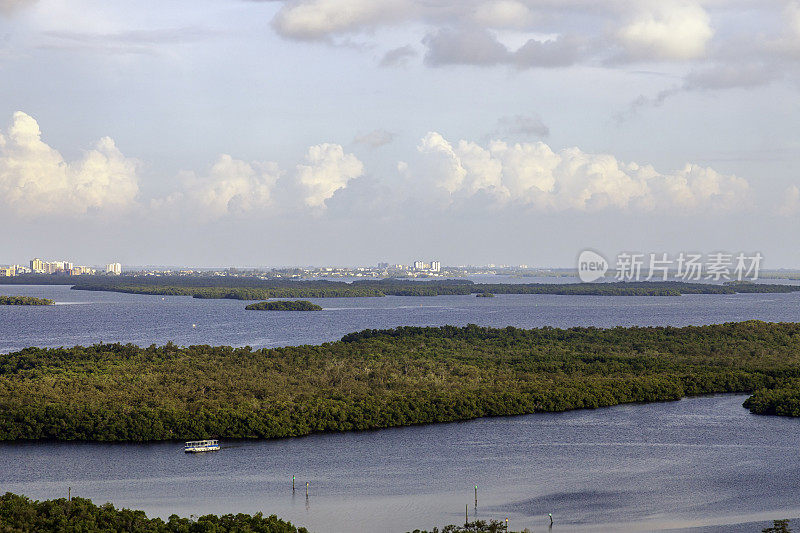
{"x":671,"y":30}
{"x":231,"y":187}
{"x":791,"y":202}
{"x":533,"y":174}
{"x":318,"y":19}
{"x":327,"y":169}
{"x":504,"y":14}
{"x":36,"y":180}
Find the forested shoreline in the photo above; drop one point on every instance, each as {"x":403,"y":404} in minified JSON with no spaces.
{"x":265,"y":289}
{"x":19,"y":514}
{"x":383,"y":378}
{"x":253,"y":288}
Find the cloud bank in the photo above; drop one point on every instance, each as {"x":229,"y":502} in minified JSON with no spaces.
{"x":36,"y":180}
{"x":467,"y":32}
{"x":535,"y":176}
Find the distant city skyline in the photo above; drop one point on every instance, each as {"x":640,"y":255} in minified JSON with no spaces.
{"x":299,"y":132}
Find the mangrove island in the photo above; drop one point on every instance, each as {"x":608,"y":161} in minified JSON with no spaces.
{"x":284,"y":305}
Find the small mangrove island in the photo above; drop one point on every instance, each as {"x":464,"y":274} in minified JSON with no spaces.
{"x":485,"y":295}
{"x":25,"y":300}
{"x":284,"y":305}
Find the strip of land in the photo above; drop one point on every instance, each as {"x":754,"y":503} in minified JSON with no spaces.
{"x":383,"y":378}
{"x":255,"y":288}
{"x":265,"y":289}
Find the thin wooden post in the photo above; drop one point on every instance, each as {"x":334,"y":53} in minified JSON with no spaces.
{"x":466,"y":515}
{"x":69,"y":494}
{"x":306,"y":489}
{"x":476,"y":495}
{"x":292,"y":483}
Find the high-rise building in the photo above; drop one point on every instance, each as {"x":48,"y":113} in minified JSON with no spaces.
{"x":419,"y":265}
{"x":37,"y":265}
{"x":436,"y":266}
{"x":114,"y":268}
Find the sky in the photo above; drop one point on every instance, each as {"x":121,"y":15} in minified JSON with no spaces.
{"x":349,"y":132}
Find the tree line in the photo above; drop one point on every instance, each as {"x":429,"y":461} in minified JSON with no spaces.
{"x":383,"y":378}
{"x":19,"y":514}
{"x":264,"y":289}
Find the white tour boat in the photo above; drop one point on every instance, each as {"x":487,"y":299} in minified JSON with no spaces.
{"x":194,"y":446}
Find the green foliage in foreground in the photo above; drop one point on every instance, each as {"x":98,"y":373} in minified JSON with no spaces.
{"x":778,"y":526}
{"x":284,"y":305}
{"x":378,"y":378}
{"x":19,"y":514}
{"x":25,"y":300}
{"x":478,"y":526}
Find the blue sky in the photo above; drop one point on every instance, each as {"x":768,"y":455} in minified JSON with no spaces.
{"x":233,"y":132}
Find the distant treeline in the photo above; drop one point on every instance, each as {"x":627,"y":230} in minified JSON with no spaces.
{"x":19,"y":514}
{"x":382,"y":378}
{"x":24,"y":300}
{"x":284,"y":305}
{"x":257,"y":289}
{"x":241,"y":293}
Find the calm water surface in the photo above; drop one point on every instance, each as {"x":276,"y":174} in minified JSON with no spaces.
{"x":696,"y":462}
{"x":83,"y":317}
{"x":704,"y":462}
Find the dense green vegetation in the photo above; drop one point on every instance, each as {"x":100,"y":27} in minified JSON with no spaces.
{"x":25,"y":300}
{"x":284,"y":305}
{"x":485,"y":295}
{"x":19,"y":514}
{"x":783,"y":400}
{"x":478,"y":526}
{"x":379,"y":378}
{"x":258,"y":289}
{"x":778,"y":526}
